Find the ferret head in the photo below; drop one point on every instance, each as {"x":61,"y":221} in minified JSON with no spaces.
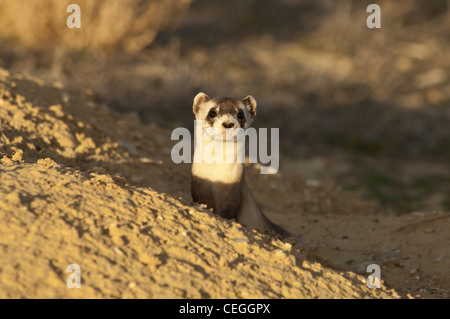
{"x":224,"y":112}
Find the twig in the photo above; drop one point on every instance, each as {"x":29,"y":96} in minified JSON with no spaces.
{"x":422,"y":221}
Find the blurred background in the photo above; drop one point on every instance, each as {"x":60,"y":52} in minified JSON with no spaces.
{"x":365,"y":109}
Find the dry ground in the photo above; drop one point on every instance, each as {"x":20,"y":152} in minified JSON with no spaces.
{"x":83,"y":185}
{"x":365,"y":150}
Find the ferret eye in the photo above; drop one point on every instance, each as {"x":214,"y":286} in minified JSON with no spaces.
{"x":240,"y":115}
{"x":212,"y":113}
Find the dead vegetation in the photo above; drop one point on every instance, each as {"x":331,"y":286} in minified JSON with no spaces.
{"x":129,"y":25}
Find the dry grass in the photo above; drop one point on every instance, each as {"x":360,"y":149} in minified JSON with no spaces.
{"x":122,"y":24}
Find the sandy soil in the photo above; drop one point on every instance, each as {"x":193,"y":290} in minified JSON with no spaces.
{"x":83,"y":185}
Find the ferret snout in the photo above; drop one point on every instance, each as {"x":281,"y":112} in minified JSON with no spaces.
{"x":227,"y":124}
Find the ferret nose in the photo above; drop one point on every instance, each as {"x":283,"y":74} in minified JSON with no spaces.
{"x":228,"y":125}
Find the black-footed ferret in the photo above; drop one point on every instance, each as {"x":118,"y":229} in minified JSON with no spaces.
{"x":221,"y":186}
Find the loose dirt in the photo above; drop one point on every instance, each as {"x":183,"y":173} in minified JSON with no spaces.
{"x":81,"y":184}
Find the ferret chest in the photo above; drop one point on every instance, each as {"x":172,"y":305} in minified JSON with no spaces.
{"x":227,"y":173}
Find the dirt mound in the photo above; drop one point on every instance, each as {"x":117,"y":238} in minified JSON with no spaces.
{"x":83,"y":185}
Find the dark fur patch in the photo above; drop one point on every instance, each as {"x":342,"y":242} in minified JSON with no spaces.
{"x":210,"y":119}
{"x":228,"y":105}
{"x":242,"y":121}
{"x":224,"y":199}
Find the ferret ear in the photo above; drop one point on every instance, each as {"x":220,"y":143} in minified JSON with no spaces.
{"x":199,"y":99}
{"x":250,"y":104}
